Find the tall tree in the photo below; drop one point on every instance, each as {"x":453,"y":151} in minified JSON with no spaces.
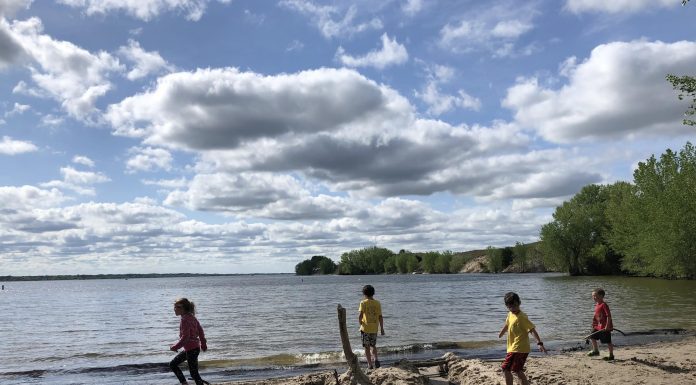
{"x":576,"y":239}
{"x":654,"y":222}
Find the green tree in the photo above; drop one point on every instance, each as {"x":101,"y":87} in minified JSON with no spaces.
{"x":457,"y":263}
{"x":654,"y":220}
{"x":369,"y":260}
{"x":412,"y":263}
{"x":519,"y":256}
{"x":577,"y":236}
{"x":686,"y":85}
{"x":428,"y":262}
{"x":326,"y":266}
{"x":495,"y":259}
{"x":304,"y":268}
{"x":390,"y":265}
{"x":442,"y":263}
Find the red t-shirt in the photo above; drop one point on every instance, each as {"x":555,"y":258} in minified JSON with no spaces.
{"x":601,"y":316}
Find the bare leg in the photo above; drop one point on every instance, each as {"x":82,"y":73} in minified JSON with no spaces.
{"x":594,"y":345}
{"x":610,"y":346}
{"x":522,"y":377}
{"x":508,"y":377}
{"x":368,"y":356}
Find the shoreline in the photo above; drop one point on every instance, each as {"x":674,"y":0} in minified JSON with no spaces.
{"x":666,"y":361}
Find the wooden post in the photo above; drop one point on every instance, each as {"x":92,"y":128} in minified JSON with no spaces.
{"x":351,"y":358}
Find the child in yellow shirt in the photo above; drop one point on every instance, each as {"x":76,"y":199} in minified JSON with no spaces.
{"x":518,"y":327}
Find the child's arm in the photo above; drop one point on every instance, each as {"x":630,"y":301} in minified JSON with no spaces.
{"x":505,"y":327}
{"x":360,"y":316}
{"x":539,"y":343}
{"x":610,"y":324}
{"x":381,"y":324}
{"x":201,"y":335}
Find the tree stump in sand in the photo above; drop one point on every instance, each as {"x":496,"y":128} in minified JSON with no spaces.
{"x":351,"y":358}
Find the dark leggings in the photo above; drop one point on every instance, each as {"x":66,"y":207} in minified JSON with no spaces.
{"x":192,"y":357}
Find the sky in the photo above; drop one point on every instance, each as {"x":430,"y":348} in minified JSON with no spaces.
{"x":233,"y":136}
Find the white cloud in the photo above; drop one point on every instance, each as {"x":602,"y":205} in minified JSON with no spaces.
{"x":69,"y":74}
{"x":18,"y":109}
{"x":9,"y":7}
{"x":494,"y":28}
{"x":323,"y":17}
{"x":439,"y":103}
{"x":412,"y":7}
{"x":225,"y":108}
{"x":145,"y":63}
{"x":619,"y":91}
{"x":78,"y":181}
{"x":392,"y":53}
{"x":9,"y":146}
{"x":143,"y":9}
{"x":26,"y":198}
{"x":616,"y":6}
{"x":11,"y":50}
{"x":149,"y":159}
{"x":83,"y":160}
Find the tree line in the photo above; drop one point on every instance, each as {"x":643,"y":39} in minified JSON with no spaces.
{"x":645,"y":228}
{"x":379,"y":260}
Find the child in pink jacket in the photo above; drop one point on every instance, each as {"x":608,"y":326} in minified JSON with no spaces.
{"x":191,"y":339}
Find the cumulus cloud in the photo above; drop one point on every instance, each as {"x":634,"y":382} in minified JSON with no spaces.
{"x":9,"y":146}
{"x":225,"y":108}
{"x":439,"y":103}
{"x":63,"y":71}
{"x":149,"y":159}
{"x":9,"y":7}
{"x":392,"y":53}
{"x":619,"y":91}
{"x":83,"y":160}
{"x":143,"y":9}
{"x":328,"y":18}
{"x":616,"y":6}
{"x":17,"y":109}
{"x":80,"y":182}
{"x":145,"y":63}
{"x":333,"y":126}
{"x":11,"y":50}
{"x":494,"y":28}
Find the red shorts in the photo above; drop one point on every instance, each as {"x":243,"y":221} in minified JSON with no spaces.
{"x":514,"y":362}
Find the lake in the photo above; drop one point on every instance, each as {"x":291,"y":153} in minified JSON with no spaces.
{"x":119,"y":331}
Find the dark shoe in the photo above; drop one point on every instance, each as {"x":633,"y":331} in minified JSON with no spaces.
{"x":377,"y":364}
{"x":609,"y":358}
{"x":593,"y":353}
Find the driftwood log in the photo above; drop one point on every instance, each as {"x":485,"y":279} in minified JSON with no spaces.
{"x":351,"y":358}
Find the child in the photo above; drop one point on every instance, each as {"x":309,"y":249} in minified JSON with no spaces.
{"x":602,"y":325}
{"x":191,"y":338}
{"x":370,"y":314}
{"x":518,"y":327}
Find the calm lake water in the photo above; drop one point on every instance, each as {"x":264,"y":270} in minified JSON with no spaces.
{"x":119,"y":331}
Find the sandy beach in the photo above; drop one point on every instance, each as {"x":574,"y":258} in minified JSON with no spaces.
{"x":656,"y":363}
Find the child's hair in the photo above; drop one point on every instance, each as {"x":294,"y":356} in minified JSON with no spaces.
{"x":599,"y":291}
{"x":511,"y":298}
{"x":188,"y":306}
{"x":368,"y":290}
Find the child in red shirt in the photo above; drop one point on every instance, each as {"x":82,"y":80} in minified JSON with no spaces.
{"x":191,"y":339}
{"x":602,"y":325}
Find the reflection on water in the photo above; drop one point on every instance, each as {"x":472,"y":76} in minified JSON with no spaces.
{"x":270,"y":322}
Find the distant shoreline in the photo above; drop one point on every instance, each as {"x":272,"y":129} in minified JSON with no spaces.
{"x":78,"y":277}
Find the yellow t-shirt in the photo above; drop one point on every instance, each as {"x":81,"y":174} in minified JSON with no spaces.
{"x":518,"y":330}
{"x":371,"y":310}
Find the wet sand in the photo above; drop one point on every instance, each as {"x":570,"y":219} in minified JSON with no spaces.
{"x":660,"y":363}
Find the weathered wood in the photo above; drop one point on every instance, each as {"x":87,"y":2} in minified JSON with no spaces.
{"x":351,"y":358}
